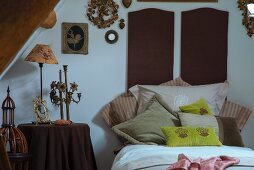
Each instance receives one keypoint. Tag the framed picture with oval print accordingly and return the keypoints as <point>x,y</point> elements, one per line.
<point>74,38</point>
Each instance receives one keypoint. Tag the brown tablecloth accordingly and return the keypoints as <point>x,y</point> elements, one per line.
<point>56,147</point>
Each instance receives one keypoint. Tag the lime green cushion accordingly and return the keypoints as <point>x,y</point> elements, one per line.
<point>190,136</point>
<point>199,107</point>
<point>145,128</point>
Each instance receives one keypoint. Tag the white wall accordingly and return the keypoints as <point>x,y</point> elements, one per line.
<point>101,75</point>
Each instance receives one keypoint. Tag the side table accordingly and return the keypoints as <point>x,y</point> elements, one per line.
<point>55,147</point>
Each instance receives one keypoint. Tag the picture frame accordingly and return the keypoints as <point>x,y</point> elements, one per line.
<point>74,38</point>
<point>177,0</point>
<point>41,111</point>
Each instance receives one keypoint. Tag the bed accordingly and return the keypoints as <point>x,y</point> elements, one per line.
<point>152,157</point>
<point>133,115</point>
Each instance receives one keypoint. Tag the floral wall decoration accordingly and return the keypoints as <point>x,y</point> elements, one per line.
<point>102,13</point>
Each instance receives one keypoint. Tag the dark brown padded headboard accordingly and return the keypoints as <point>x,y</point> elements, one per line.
<point>204,46</point>
<point>150,46</point>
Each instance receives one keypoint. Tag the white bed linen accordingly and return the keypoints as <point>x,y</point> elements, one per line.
<point>142,157</point>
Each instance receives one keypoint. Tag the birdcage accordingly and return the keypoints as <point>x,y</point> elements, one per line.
<point>14,138</point>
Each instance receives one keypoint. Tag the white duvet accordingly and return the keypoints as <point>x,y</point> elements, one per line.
<point>152,157</point>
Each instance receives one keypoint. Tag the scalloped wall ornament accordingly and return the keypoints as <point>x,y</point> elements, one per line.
<point>247,21</point>
<point>102,13</point>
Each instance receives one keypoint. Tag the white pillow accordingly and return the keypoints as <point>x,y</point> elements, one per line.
<point>175,96</point>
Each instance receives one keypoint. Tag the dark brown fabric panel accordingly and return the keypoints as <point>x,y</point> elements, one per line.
<point>204,46</point>
<point>150,46</point>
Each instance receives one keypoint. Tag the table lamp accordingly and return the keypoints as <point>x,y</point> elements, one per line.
<point>41,54</point>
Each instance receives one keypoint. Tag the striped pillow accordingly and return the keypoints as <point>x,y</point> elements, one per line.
<point>240,113</point>
<point>120,109</point>
<point>176,82</point>
<point>124,107</point>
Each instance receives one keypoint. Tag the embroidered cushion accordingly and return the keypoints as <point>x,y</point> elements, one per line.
<point>190,136</point>
<point>199,107</point>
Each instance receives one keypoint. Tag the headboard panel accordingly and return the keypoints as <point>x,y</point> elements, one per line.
<point>204,46</point>
<point>150,46</point>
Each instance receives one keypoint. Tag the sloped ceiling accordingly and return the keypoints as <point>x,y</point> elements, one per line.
<point>18,20</point>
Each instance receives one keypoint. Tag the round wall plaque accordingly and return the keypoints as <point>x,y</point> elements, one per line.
<point>111,36</point>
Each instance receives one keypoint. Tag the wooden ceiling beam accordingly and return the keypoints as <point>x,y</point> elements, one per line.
<point>18,20</point>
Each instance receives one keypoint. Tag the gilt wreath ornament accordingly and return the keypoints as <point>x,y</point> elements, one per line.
<point>247,21</point>
<point>102,13</point>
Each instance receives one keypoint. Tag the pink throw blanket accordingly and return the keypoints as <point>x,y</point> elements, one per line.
<point>214,163</point>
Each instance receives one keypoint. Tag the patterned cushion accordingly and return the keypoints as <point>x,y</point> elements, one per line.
<point>240,113</point>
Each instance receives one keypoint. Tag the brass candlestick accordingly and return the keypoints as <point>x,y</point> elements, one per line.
<point>62,88</point>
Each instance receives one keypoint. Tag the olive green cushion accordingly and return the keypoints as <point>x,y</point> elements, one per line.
<point>190,136</point>
<point>145,128</point>
<point>200,107</point>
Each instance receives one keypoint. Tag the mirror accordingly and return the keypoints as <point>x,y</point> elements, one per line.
<point>247,6</point>
<point>111,36</point>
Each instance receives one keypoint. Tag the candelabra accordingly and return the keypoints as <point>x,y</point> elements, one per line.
<point>60,93</point>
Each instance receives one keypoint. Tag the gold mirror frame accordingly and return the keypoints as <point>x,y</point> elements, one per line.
<point>247,21</point>
<point>41,111</point>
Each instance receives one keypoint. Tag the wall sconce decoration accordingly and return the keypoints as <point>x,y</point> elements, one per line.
<point>62,88</point>
<point>102,13</point>
<point>126,3</point>
<point>248,15</point>
<point>121,24</point>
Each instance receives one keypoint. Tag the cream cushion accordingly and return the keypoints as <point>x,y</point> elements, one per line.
<point>175,96</point>
<point>194,120</point>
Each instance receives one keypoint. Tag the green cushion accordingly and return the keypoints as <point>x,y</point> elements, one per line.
<point>190,136</point>
<point>145,128</point>
<point>199,107</point>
